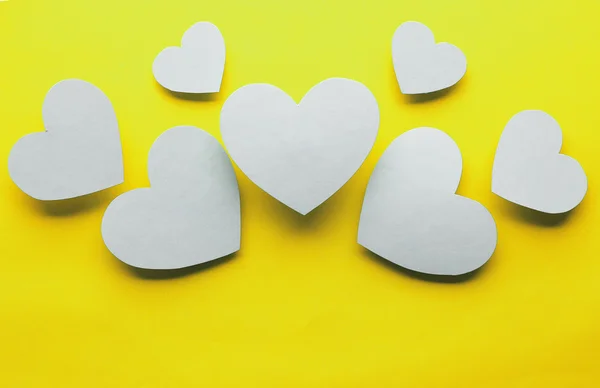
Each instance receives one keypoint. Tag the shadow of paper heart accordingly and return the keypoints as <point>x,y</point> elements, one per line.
<point>204,97</point>
<point>535,217</point>
<point>167,274</point>
<point>296,220</point>
<point>287,218</point>
<point>195,97</point>
<point>73,206</point>
<point>423,276</point>
<point>427,97</point>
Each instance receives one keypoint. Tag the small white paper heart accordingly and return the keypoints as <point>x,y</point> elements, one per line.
<point>411,215</point>
<point>189,216</point>
<point>195,67</point>
<point>530,171</point>
<point>80,152</point>
<point>301,154</point>
<point>421,65</point>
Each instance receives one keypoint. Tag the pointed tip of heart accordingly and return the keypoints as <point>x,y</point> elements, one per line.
<point>302,209</point>
<point>305,212</point>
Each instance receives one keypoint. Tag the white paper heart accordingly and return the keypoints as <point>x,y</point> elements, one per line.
<point>189,216</point>
<point>530,171</point>
<point>411,215</point>
<point>195,67</point>
<point>421,65</point>
<point>301,154</point>
<point>80,152</point>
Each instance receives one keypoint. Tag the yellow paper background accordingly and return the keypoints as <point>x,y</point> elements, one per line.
<point>302,305</point>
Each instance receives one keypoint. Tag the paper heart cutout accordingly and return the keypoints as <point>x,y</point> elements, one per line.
<point>411,215</point>
<point>80,152</point>
<point>529,170</point>
<point>189,216</point>
<point>195,67</point>
<point>421,65</point>
<point>300,154</point>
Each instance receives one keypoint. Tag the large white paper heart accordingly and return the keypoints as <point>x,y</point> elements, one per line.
<point>189,216</point>
<point>530,171</point>
<point>195,67</point>
<point>80,152</point>
<point>411,215</point>
<point>421,65</point>
<point>301,154</point>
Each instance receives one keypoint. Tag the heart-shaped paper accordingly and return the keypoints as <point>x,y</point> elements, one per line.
<point>80,152</point>
<point>195,67</point>
<point>301,154</point>
<point>411,215</point>
<point>530,171</point>
<point>190,215</point>
<point>421,65</point>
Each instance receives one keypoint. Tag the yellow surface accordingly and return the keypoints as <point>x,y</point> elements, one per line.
<point>302,304</point>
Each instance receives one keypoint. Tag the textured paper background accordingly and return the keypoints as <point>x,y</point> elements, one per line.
<point>302,304</point>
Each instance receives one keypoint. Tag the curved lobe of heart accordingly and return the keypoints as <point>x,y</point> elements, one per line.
<point>424,158</point>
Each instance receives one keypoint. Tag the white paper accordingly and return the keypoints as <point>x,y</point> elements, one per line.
<point>189,216</point>
<point>530,171</point>
<point>195,67</point>
<point>80,152</point>
<point>411,215</point>
<point>421,65</point>
<point>300,154</point>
